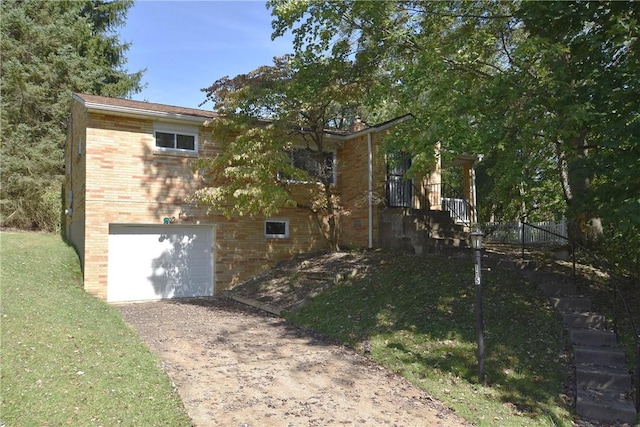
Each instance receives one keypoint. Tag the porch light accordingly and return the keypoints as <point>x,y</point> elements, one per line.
<point>476,240</point>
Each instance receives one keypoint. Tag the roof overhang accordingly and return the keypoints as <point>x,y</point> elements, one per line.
<point>140,112</point>
<point>380,127</point>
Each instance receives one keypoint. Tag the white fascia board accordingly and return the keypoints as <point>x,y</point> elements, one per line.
<point>138,112</point>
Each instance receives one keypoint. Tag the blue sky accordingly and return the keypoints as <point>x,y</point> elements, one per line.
<point>187,45</point>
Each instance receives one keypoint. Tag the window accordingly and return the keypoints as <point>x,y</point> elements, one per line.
<point>276,229</point>
<point>176,138</point>
<point>317,165</point>
<point>175,141</point>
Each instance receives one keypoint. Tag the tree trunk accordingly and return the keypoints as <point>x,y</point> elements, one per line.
<point>575,178</point>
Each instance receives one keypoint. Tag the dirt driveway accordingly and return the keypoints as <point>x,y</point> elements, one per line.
<point>237,366</point>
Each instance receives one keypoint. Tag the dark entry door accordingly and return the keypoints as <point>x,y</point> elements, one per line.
<point>399,189</point>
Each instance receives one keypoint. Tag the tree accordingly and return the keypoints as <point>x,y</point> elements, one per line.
<point>544,90</point>
<point>274,123</point>
<point>50,50</point>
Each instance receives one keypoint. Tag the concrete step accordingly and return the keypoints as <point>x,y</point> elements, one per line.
<point>561,289</point>
<point>604,378</point>
<point>593,337</point>
<point>571,304</point>
<point>445,231</point>
<point>457,243</point>
<point>599,356</point>
<point>603,407</point>
<point>584,320</point>
<point>541,276</point>
<point>526,264</point>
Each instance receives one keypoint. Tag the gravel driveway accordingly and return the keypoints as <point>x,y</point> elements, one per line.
<point>237,366</point>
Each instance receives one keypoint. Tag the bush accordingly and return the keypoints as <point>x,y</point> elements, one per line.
<point>40,211</point>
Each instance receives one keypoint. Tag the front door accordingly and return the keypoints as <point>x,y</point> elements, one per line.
<point>399,189</point>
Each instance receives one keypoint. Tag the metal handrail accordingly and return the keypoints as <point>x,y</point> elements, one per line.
<point>449,190</point>
<point>616,291</point>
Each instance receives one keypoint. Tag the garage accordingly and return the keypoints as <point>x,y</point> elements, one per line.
<point>151,262</point>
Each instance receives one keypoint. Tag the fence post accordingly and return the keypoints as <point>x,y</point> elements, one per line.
<point>573,256</point>
<point>615,304</point>
<point>522,235</point>
<point>637,373</point>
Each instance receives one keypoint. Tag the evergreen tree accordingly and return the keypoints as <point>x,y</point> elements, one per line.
<point>50,50</point>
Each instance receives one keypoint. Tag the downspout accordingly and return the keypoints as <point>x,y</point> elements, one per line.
<point>370,148</point>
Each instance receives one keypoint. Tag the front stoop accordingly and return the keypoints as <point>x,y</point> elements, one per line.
<point>420,231</point>
<point>603,381</point>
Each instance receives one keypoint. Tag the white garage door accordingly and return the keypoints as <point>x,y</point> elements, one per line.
<point>158,262</point>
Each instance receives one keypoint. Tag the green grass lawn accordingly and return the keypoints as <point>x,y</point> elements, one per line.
<point>68,358</point>
<point>417,315</point>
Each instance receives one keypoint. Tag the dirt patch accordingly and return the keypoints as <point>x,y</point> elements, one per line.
<point>294,282</point>
<point>237,366</point>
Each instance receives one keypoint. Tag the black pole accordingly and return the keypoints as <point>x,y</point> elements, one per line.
<point>573,255</point>
<point>478,283</point>
<point>637,373</point>
<point>522,235</point>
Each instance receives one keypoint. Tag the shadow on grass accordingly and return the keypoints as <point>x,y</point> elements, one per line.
<point>418,316</point>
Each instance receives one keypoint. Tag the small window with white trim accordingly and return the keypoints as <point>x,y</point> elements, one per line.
<point>276,229</point>
<point>176,138</point>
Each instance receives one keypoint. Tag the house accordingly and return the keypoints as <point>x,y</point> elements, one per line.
<point>128,173</point>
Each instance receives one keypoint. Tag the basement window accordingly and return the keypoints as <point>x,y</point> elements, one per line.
<point>276,229</point>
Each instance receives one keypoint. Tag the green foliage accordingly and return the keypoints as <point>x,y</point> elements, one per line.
<point>416,316</point>
<point>50,50</point>
<point>243,179</point>
<point>68,358</point>
<point>266,114</point>
<point>547,91</point>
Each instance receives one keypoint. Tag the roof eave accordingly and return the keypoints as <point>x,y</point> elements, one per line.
<point>139,112</point>
<point>381,127</point>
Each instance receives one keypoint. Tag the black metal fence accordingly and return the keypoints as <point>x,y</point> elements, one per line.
<point>618,298</point>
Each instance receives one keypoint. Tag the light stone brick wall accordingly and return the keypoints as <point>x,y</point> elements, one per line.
<point>353,164</point>
<point>120,179</point>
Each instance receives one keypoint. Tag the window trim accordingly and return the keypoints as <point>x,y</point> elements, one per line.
<point>284,235</point>
<point>175,130</point>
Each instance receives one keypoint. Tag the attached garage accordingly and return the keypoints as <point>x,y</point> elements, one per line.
<point>151,262</point>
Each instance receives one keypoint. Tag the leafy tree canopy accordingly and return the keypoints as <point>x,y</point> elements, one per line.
<point>545,90</point>
<point>50,50</point>
<point>268,116</point>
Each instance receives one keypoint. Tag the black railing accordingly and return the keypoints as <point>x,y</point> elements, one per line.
<point>399,193</point>
<point>616,291</point>
<point>452,201</point>
<point>402,193</point>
